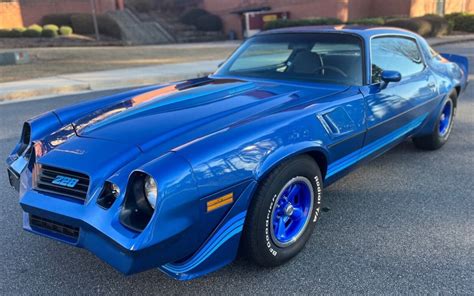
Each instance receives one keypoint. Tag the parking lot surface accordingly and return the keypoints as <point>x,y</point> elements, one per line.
<point>402,224</point>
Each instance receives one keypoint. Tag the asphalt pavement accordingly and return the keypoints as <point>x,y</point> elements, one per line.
<point>402,224</point>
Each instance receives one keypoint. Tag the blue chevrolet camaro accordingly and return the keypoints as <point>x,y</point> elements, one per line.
<point>181,176</point>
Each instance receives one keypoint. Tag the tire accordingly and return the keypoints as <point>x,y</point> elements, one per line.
<point>442,129</point>
<point>275,234</point>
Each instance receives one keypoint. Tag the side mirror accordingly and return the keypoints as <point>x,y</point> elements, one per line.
<point>391,76</point>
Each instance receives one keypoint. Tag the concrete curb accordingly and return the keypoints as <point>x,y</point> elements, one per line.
<point>444,42</point>
<point>103,80</point>
<point>42,87</point>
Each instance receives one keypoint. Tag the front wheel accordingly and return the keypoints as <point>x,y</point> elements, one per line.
<point>442,129</point>
<point>283,213</point>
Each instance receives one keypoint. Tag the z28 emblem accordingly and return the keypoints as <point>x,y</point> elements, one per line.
<point>65,181</point>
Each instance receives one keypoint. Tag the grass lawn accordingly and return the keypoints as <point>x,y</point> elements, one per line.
<point>66,60</point>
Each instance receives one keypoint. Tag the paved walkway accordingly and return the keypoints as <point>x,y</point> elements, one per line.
<point>130,77</point>
<point>101,80</point>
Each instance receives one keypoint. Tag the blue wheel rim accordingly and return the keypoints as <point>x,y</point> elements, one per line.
<point>292,211</point>
<point>445,118</point>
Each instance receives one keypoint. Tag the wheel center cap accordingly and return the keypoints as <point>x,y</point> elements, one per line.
<point>443,117</point>
<point>289,209</point>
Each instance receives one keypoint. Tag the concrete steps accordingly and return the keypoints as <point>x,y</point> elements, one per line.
<point>184,33</point>
<point>155,27</point>
<point>138,32</point>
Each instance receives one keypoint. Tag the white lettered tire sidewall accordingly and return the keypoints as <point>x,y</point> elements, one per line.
<point>257,238</point>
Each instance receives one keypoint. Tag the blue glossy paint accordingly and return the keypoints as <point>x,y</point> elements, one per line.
<point>391,76</point>
<point>205,138</point>
<point>374,147</point>
<point>233,227</point>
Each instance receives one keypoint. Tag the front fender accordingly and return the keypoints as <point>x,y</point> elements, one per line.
<point>34,129</point>
<point>286,152</point>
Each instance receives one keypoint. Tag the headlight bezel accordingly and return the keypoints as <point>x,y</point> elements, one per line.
<point>137,211</point>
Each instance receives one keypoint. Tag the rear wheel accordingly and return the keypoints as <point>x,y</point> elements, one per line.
<point>442,128</point>
<point>283,212</point>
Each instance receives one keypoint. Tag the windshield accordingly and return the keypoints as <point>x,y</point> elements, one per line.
<point>317,57</point>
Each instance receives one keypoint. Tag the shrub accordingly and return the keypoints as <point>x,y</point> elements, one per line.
<point>283,23</point>
<point>17,32</point>
<point>429,25</point>
<point>209,22</point>
<point>439,25</point>
<point>175,6</point>
<point>374,21</point>
<point>61,19</point>
<point>191,16</point>
<point>417,25</point>
<point>35,27</point>
<point>51,27</point>
<point>142,5</point>
<point>461,21</point>
<point>5,33</point>
<point>65,30</point>
<point>49,33</point>
<point>32,31</point>
<point>83,24</point>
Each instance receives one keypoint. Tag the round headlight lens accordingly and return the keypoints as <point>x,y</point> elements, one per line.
<point>151,191</point>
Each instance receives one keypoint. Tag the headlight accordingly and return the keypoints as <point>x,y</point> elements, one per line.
<point>151,191</point>
<point>140,201</point>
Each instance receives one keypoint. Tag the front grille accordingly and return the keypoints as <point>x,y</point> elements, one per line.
<point>68,183</point>
<point>55,227</point>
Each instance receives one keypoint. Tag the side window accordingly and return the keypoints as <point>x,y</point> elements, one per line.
<point>396,54</point>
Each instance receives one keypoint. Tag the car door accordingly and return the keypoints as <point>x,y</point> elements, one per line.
<point>396,108</point>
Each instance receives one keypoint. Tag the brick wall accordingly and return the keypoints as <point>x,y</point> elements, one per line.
<point>10,15</point>
<point>422,7</point>
<point>28,12</point>
<point>389,8</point>
<point>34,10</point>
<point>342,9</point>
<point>298,9</point>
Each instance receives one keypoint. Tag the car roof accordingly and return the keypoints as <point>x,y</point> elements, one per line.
<point>363,31</point>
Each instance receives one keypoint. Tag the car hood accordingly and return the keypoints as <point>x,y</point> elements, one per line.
<point>178,113</point>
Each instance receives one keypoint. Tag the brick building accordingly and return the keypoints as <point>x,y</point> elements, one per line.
<point>249,15</point>
<point>18,13</point>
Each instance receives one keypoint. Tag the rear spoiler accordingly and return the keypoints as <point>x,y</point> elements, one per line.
<point>461,61</point>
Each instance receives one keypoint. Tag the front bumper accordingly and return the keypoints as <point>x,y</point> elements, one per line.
<point>60,227</point>
<point>97,231</point>
<point>183,228</point>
